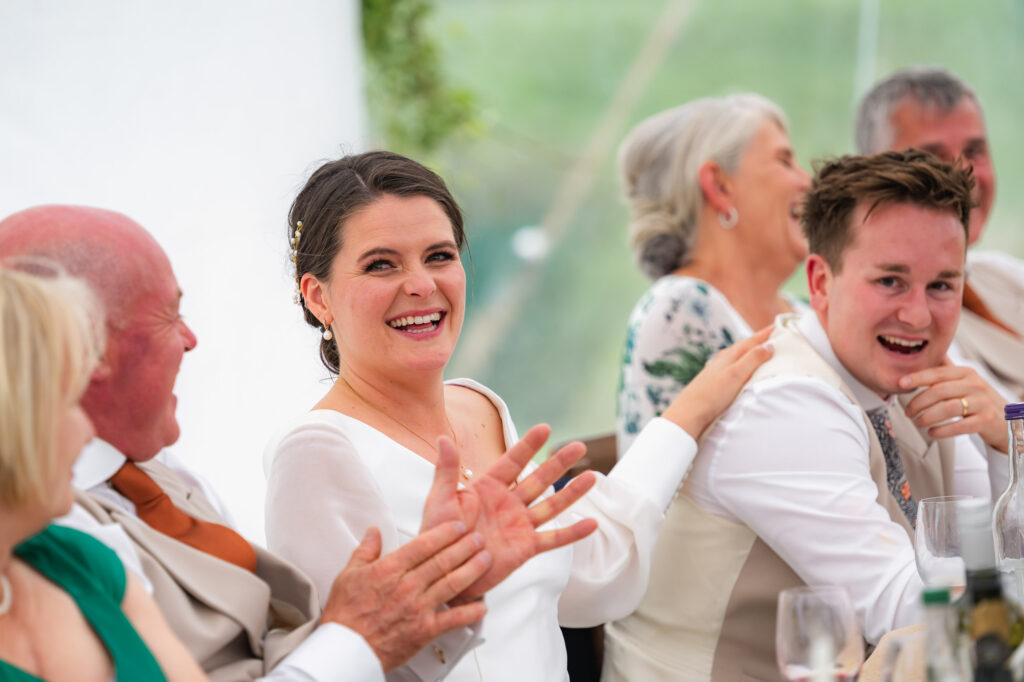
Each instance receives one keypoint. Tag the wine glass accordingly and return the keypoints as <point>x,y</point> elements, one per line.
<point>816,632</point>
<point>937,544</point>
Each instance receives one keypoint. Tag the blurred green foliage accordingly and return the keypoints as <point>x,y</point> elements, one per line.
<point>414,108</point>
<point>543,73</point>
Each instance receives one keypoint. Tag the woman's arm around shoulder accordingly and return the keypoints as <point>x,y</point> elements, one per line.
<point>679,325</point>
<point>666,447</point>
<point>610,568</point>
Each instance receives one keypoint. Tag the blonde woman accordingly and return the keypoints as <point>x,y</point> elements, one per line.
<point>68,608</point>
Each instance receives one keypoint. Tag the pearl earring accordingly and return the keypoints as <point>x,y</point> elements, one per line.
<point>729,220</point>
<point>328,334</point>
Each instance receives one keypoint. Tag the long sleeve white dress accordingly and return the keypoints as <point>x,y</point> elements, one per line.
<point>331,476</point>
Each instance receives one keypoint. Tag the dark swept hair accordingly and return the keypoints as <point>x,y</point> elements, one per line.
<point>909,176</point>
<point>339,189</point>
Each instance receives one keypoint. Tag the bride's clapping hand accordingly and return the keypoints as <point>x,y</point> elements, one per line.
<point>499,508</point>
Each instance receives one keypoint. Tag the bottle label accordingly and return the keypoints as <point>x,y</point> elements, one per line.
<point>990,617</point>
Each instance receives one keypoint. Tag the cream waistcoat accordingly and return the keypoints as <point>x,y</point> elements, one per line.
<point>709,613</point>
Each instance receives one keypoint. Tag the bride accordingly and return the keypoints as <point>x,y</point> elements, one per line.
<point>377,241</point>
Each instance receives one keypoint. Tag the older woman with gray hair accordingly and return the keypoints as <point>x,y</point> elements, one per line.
<point>715,192</point>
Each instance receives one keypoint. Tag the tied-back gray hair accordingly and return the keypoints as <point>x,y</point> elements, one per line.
<point>930,87</point>
<point>659,162</point>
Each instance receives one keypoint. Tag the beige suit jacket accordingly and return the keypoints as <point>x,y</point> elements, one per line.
<point>237,624</point>
<point>997,350</point>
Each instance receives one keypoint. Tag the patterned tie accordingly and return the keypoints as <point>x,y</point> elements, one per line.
<point>156,509</point>
<point>894,474</point>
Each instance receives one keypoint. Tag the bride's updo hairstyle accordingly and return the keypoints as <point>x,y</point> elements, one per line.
<point>659,161</point>
<point>339,189</point>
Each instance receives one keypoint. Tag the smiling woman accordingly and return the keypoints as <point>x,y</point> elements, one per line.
<point>378,262</point>
<point>399,264</point>
<point>336,193</point>
<point>57,584</point>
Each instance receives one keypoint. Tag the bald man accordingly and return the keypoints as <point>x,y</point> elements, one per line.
<point>251,614</point>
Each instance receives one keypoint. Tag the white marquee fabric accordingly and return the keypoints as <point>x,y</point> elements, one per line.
<point>200,120</point>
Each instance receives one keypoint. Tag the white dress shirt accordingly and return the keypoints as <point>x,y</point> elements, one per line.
<point>331,476</point>
<point>998,462</point>
<point>789,459</point>
<point>332,653</point>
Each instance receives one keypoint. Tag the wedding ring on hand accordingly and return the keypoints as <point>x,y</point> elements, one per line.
<point>963,401</point>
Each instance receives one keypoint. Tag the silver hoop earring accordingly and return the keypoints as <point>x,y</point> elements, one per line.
<point>328,334</point>
<point>729,220</point>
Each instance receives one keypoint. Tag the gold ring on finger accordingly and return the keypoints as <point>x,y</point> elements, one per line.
<point>963,401</point>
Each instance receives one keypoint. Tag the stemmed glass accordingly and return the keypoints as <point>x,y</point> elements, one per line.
<point>817,632</point>
<point>937,544</point>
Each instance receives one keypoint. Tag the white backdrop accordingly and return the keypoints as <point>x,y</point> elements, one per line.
<point>200,120</point>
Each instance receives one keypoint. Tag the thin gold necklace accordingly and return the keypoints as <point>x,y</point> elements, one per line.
<point>466,473</point>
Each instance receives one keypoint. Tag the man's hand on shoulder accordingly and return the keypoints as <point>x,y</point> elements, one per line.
<point>397,601</point>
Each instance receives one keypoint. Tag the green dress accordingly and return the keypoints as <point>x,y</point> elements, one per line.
<point>94,577</point>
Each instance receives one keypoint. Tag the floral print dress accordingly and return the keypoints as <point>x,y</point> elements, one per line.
<point>675,328</point>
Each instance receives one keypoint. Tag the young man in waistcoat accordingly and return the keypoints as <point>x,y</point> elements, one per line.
<point>813,475</point>
<point>929,108</point>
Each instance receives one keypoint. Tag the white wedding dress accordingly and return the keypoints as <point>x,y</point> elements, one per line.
<point>331,476</point>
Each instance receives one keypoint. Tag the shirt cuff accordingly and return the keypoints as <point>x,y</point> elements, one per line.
<point>332,653</point>
<point>657,461</point>
<point>436,660</point>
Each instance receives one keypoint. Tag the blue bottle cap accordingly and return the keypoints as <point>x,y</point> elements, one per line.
<point>1013,411</point>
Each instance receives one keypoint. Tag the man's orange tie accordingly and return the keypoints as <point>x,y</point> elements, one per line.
<point>156,509</point>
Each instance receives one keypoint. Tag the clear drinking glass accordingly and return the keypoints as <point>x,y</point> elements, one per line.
<point>937,544</point>
<point>815,632</point>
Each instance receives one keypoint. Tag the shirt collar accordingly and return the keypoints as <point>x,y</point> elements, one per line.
<point>98,461</point>
<point>811,328</point>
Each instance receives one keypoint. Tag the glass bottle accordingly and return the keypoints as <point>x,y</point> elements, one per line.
<point>1008,514</point>
<point>989,619</point>
<point>944,653</point>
